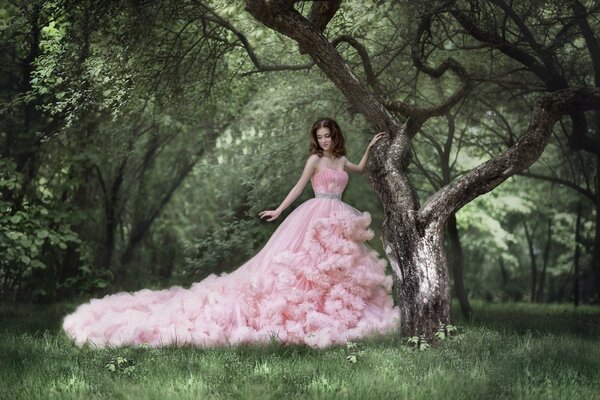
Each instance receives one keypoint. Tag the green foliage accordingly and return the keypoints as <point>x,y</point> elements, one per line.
<point>354,351</point>
<point>445,331</point>
<point>112,105</point>
<point>31,236</point>
<point>419,343</point>
<point>119,365</point>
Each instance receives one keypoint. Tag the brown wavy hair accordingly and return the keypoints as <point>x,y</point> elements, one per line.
<point>338,149</point>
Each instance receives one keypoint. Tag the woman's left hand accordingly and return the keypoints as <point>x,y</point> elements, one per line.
<point>376,138</point>
<point>270,214</point>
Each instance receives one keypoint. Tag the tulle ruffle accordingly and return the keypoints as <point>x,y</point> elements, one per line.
<point>331,289</point>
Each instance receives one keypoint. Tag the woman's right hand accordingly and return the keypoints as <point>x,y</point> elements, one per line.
<point>376,138</point>
<point>273,214</point>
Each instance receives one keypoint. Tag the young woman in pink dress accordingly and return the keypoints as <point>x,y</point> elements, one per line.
<point>314,282</point>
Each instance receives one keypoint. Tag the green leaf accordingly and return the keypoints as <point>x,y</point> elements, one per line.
<point>42,233</point>
<point>38,264</point>
<point>25,259</point>
<point>15,219</point>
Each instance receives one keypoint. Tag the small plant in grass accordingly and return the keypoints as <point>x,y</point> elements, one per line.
<point>120,365</point>
<point>445,331</point>
<point>353,352</point>
<point>418,342</point>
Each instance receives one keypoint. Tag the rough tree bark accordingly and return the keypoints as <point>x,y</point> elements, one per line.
<point>413,235</point>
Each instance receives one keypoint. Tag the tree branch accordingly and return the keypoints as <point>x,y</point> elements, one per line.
<point>364,55</point>
<point>546,72</point>
<point>517,158</point>
<point>281,16</point>
<point>423,114</point>
<point>560,181</point>
<point>322,12</point>
<point>590,38</point>
<point>217,19</point>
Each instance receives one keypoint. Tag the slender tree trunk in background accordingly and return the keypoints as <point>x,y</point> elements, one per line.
<point>504,275</point>
<point>71,262</point>
<point>576,257</point>
<point>141,227</point>
<point>592,284</point>
<point>532,257</point>
<point>542,280</point>
<point>457,263</point>
<point>110,225</point>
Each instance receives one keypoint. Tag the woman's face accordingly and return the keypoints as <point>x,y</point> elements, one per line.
<point>324,138</point>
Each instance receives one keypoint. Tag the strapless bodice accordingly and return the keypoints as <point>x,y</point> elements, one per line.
<point>329,183</point>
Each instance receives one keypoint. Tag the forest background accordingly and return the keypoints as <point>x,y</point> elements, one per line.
<point>139,140</point>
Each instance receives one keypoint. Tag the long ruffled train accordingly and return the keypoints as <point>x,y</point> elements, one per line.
<point>315,282</point>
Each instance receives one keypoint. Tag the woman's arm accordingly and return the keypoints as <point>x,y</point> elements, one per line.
<point>309,170</point>
<point>360,168</point>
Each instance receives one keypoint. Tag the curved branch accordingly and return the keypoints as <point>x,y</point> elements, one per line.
<point>364,55</point>
<point>217,19</point>
<point>281,16</point>
<point>466,84</point>
<point>515,159</point>
<point>552,81</point>
<point>545,72</point>
<point>587,193</point>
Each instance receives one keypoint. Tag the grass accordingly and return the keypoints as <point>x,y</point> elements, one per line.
<point>508,351</point>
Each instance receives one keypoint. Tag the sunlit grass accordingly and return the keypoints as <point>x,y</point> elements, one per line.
<point>507,351</point>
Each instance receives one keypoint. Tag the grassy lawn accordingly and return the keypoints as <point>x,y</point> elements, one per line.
<point>508,351</point>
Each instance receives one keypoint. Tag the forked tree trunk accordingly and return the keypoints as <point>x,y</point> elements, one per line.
<point>412,235</point>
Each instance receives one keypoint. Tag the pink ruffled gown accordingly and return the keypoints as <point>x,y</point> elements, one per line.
<point>315,282</point>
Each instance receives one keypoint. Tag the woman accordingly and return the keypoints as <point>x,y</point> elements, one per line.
<point>315,281</point>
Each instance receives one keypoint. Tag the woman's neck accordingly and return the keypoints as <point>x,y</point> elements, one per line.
<point>328,154</point>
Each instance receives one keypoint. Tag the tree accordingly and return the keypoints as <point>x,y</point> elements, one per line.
<point>412,234</point>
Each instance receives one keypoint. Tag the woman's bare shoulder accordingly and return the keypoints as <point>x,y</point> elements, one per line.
<point>313,158</point>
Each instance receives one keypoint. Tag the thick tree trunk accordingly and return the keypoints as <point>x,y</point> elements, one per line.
<point>420,275</point>
<point>457,264</point>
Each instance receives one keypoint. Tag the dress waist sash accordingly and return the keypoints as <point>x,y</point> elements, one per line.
<point>328,195</point>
